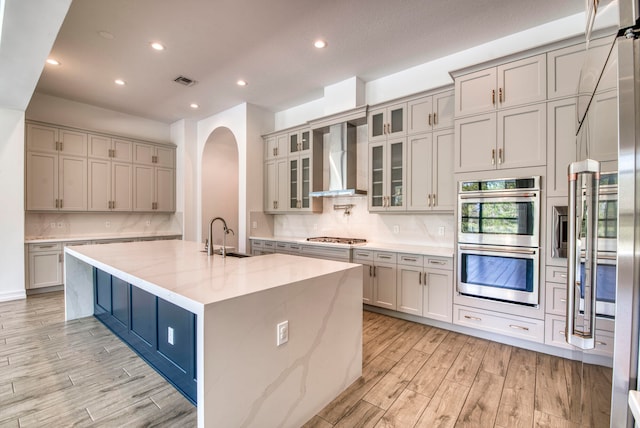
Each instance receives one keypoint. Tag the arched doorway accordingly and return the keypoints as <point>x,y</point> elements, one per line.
<point>220,185</point>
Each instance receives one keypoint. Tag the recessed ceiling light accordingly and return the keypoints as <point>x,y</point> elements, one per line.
<point>320,44</point>
<point>157,46</point>
<point>106,35</point>
<point>241,82</point>
<point>119,82</point>
<point>53,61</point>
<point>194,106</point>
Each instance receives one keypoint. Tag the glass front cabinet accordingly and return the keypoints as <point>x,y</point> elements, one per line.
<point>388,176</point>
<point>299,182</point>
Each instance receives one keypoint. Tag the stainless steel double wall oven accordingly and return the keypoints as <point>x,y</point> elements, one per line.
<point>499,239</point>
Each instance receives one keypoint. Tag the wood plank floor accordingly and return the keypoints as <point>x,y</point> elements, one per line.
<point>59,374</point>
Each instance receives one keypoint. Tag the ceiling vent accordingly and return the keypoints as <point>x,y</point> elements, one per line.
<point>184,81</point>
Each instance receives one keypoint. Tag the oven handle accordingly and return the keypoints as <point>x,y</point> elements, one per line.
<point>489,195</point>
<point>499,250</point>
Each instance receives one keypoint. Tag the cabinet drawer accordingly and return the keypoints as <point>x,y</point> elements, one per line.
<point>363,255</point>
<point>257,244</point>
<point>270,245</point>
<point>556,298</point>
<point>519,327</point>
<point>385,257</point>
<point>52,246</point>
<point>554,335</point>
<point>438,263</point>
<point>556,274</point>
<point>410,260</point>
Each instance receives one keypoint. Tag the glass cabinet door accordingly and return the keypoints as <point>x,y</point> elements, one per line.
<point>396,191</point>
<point>293,143</point>
<point>299,141</point>
<point>397,119</point>
<point>305,144</point>
<point>377,124</point>
<point>306,181</point>
<point>293,183</point>
<point>377,175</point>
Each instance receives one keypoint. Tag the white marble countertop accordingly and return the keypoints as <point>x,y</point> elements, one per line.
<point>179,272</point>
<point>96,237</point>
<point>375,246</point>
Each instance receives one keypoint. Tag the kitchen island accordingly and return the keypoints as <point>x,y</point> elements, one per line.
<point>243,378</point>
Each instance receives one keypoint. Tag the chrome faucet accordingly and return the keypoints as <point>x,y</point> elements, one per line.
<point>224,241</point>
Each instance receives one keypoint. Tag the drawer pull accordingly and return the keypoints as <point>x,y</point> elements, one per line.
<point>563,275</point>
<point>469,317</point>
<point>362,254</point>
<point>46,246</point>
<point>600,343</point>
<point>384,257</point>
<point>409,259</point>
<point>519,327</point>
<point>563,300</point>
<point>437,262</point>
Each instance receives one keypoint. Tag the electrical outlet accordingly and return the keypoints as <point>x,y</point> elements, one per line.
<point>441,231</point>
<point>148,222</point>
<point>282,330</point>
<point>254,225</point>
<point>60,225</point>
<point>107,224</point>
<point>396,228</point>
<point>170,335</point>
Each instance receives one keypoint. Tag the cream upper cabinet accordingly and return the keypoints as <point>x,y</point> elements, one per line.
<point>508,85</point>
<point>56,182</point>
<point>430,172</point>
<point>276,185</point>
<point>153,188</point>
<point>148,154</point>
<point>572,69</point>
<point>110,186</point>
<point>48,139</point>
<point>276,146</point>
<point>561,144</point>
<point>430,113</point>
<point>300,176</point>
<point>387,121</point>
<point>103,147</point>
<point>387,175</point>
<point>511,138</point>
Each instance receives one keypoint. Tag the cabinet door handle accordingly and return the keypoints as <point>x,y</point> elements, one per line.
<point>493,156</point>
<point>61,146</point>
<point>563,275</point>
<point>429,119</point>
<point>469,317</point>
<point>499,156</point>
<point>433,198</point>
<point>60,258</point>
<point>563,300</point>
<point>500,97</point>
<point>429,200</point>
<point>60,203</point>
<point>424,281</point>
<point>519,327</point>
<point>435,121</point>
<point>374,271</point>
<point>493,96</point>
<point>420,278</point>
<point>370,273</point>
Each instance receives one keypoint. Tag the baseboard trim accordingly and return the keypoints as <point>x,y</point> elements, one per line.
<point>13,295</point>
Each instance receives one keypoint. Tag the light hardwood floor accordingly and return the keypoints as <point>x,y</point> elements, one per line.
<point>58,374</point>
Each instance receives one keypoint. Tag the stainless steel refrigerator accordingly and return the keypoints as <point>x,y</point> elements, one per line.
<point>582,277</point>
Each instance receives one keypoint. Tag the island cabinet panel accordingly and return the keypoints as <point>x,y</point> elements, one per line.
<point>161,333</point>
<point>143,315</point>
<point>120,300</point>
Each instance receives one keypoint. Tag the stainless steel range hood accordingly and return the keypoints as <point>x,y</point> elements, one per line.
<point>342,162</point>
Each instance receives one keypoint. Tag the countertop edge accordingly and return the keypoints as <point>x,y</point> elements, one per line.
<point>80,238</point>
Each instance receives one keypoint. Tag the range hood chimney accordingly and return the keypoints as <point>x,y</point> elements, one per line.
<point>342,162</point>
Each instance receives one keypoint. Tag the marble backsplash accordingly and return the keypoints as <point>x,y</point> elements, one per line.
<point>411,229</point>
<point>66,225</point>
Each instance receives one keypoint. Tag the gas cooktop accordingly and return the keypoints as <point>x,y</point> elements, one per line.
<point>333,240</point>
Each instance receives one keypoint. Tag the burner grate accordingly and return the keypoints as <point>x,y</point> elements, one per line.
<point>335,240</point>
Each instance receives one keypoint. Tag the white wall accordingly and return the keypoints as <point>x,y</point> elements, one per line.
<point>184,136</point>
<point>47,108</point>
<point>12,195</point>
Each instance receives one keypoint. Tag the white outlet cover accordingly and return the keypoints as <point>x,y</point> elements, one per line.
<point>170,337</point>
<point>282,333</point>
<point>396,229</point>
<point>107,224</point>
<point>254,225</point>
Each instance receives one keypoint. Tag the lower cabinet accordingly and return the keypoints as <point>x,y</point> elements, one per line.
<point>45,265</point>
<point>162,333</point>
<point>379,277</point>
<point>425,286</point>
<point>508,325</point>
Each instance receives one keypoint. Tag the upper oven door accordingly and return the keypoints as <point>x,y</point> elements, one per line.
<point>500,218</point>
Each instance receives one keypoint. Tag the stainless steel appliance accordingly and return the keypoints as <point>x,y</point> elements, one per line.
<point>560,232</point>
<point>335,240</point>
<point>627,308</point>
<point>499,272</point>
<point>500,212</point>
<point>498,239</point>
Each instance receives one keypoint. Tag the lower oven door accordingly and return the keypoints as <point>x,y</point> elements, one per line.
<point>606,280</point>
<point>509,274</point>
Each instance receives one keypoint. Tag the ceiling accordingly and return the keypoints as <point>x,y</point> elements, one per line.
<point>267,43</point>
